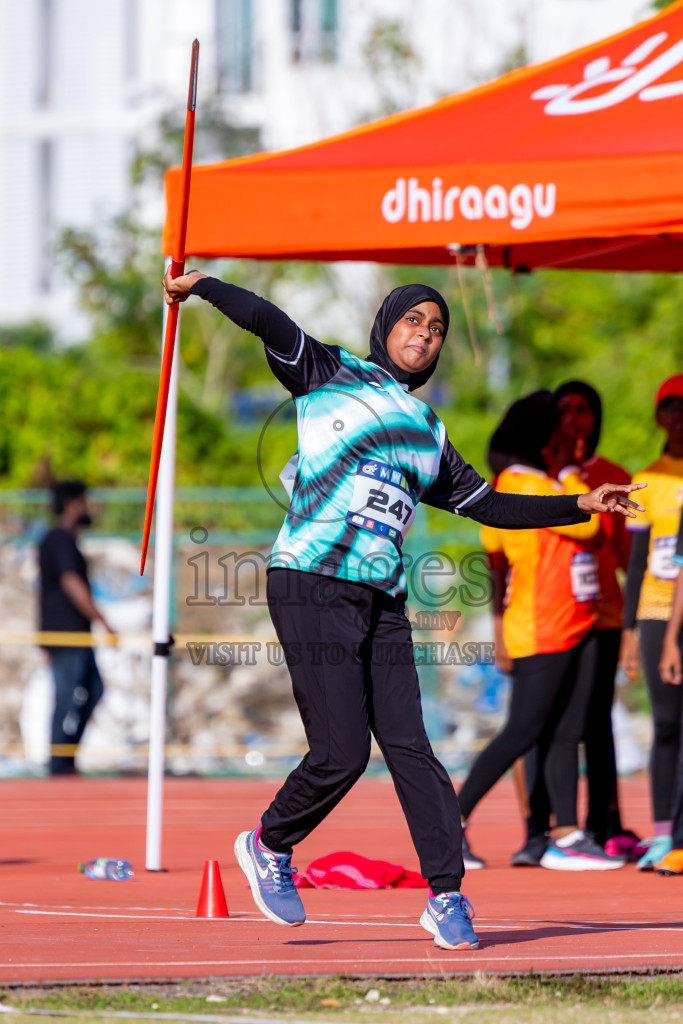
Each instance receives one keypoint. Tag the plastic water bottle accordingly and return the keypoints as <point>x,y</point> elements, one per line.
<point>108,868</point>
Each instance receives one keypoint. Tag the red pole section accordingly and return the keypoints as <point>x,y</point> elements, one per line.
<point>177,269</point>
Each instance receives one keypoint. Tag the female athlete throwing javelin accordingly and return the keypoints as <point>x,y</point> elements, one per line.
<point>368,452</point>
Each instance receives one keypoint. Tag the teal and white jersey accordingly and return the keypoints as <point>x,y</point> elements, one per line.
<point>368,453</point>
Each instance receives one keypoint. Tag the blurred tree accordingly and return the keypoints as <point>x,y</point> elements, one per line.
<point>36,335</point>
<point>393,63</point>
<point>118,272</point>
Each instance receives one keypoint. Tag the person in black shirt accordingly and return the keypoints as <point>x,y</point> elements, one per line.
<point>66,606</point>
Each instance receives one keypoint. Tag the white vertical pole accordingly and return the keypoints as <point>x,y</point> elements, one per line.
<point>163,563</point>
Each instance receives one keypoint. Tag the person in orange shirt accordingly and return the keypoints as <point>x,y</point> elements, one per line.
<point>548,633</point>
<point>580,420</point>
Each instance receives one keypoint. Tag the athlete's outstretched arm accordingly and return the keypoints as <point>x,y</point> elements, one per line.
<point>460,489</point>
<point>299,362</point>
<point>525,511</point>
<point>243,307</point>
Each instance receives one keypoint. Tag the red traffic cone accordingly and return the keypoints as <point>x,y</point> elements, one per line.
<point>211,896</point>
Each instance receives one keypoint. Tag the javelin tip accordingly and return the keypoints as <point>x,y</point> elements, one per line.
<point>143,557</point>
<point>194,66</point>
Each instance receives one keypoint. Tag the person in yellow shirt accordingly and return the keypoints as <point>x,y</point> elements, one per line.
<point>648,602</point>
<point>548,633</point>
<point>670,671</point>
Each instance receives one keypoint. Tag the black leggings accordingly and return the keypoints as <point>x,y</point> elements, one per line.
<point>666,703</point>
<point>350,655</point>
<point>603,806</point>
<point>677,836</point>
<point>550,695</point>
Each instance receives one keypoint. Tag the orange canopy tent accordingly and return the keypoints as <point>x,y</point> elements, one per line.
<point>576,163</point>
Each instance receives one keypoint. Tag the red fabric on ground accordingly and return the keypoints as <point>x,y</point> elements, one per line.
<point>346,870</point>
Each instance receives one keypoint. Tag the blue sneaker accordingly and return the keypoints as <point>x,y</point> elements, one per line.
<point>449,920</point>
<point>656,851</point>
<point>270,878</point>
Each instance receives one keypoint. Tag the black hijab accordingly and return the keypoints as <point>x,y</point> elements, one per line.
<point>580,387</point>
<point>390,312</point>
<point>523,433</point>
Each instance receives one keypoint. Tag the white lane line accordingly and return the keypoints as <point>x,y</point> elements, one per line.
<point>260,920</point>
<point>73,906</point>
<point>184,910</point>
<point>121,917</point>
<point>520,926</point>
<point>475,957</point>
<point>325,918</point>
<point>239,920</point>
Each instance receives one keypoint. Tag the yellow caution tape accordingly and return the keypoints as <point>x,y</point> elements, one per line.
<point>138,640</point>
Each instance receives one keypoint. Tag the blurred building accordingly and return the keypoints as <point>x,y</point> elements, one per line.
<point>85,82</point>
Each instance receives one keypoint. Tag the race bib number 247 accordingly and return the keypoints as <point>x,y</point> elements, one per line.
<point>382,502</point>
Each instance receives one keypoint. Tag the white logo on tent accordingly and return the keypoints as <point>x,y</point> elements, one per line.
<point>633,77</point>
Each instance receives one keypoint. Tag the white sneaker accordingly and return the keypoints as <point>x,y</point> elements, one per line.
<point>579,851</point>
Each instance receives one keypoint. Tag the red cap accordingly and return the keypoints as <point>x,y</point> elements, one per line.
<point>673,387</point>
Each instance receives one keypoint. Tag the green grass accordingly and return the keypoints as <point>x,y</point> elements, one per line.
<point>541,1000</point>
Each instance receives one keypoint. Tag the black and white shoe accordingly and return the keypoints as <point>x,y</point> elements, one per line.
<point>530,854</point>
<point>470,860</point>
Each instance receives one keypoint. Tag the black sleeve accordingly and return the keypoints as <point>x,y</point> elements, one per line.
<point>637,564</point>
<point>251,312</point>
<point>525,511</point>
<point>460,489</point>
<point>457,484</point>
<point>299,362</point>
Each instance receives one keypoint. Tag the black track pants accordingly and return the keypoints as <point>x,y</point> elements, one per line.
<point>350,655</point>
<point>666,714</point>
<point>677,836</point>
<point>601,761</point>
<point>550,695</point>
<point>603,807</point>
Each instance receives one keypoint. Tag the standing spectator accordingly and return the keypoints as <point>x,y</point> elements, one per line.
<point>579,423</point>
<point>66,606</point>
<point>670,669</point>
<point>648,600</point>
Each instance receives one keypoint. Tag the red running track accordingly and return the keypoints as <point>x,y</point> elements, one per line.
<point>56,924</point>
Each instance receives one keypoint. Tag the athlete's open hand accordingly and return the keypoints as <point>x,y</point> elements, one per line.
<point>608,498</point>
<point>177,289</point>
